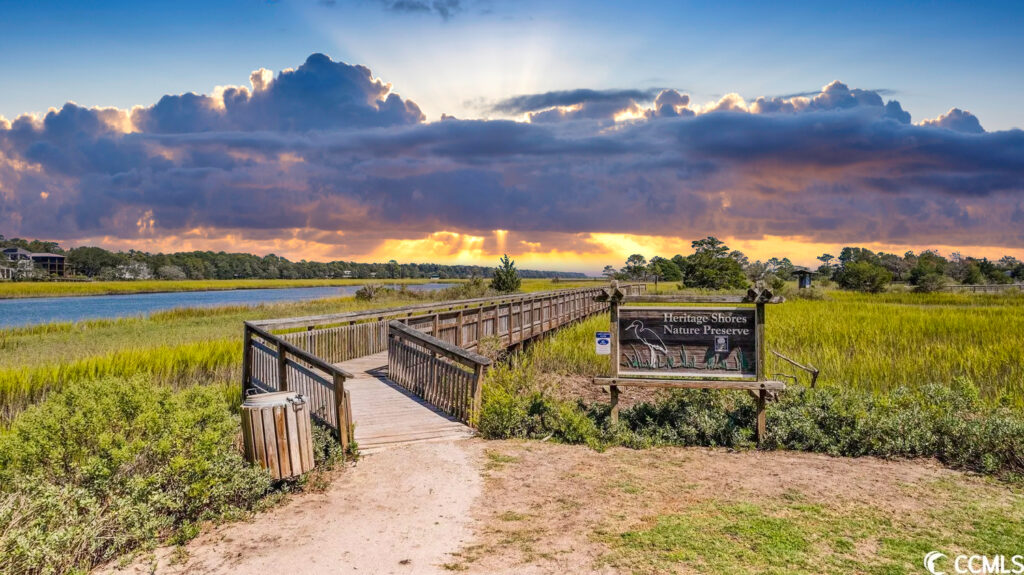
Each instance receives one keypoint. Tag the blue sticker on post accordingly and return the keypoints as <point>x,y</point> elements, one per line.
<point>603,342</point>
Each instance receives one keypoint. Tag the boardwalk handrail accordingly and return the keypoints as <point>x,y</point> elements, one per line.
<point>271,364</point>
<point>387,313</point>
<point>424,365</point>
<point>280,355</point>
<point>454,352</point>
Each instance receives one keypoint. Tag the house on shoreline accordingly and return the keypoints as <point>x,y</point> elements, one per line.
<point>52,264</point>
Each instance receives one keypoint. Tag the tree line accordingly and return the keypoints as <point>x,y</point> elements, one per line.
<point>99,263</point>
<point>712,265</point>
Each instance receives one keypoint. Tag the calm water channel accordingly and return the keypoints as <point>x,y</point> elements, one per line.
<point>30,311</point>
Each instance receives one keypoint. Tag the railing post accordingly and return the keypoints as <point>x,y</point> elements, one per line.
<point>282,367</point>
<point>478,386</point>
<point>458,334</point>
<point>433,376</point>
<point>246,361</point>
<point>510,304</point>
<point>341,410</point>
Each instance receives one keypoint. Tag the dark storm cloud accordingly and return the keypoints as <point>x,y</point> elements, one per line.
<point>535,102</point>
<point>328,148</point>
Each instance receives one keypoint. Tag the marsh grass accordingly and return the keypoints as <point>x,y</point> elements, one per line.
<point>866,342</point>
<point>942,414</point>
<point>881,342</point>
<point>59,289</point>
<point>177,345</point>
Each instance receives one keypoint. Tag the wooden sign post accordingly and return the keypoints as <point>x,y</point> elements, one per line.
<point>694,347</point>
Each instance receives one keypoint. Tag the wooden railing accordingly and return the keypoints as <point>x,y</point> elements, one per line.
<point>984,288</point>
<point>446,376</point>
<point>299,354</point>
<point>272,364</point>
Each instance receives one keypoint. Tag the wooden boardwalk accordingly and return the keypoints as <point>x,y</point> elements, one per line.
<point>387,415</point>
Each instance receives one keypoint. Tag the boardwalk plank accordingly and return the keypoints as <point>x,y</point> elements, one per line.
<point>386,415</point>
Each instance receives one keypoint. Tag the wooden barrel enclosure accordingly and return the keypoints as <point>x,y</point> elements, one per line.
<point>277,433</point>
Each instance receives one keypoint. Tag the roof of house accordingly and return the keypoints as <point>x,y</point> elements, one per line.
<point>47,255</point>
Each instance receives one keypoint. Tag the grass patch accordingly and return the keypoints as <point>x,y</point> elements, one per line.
<point>777,536</point>
<point>513,516</point>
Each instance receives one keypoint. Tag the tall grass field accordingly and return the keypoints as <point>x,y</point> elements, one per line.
<point>880,342</point>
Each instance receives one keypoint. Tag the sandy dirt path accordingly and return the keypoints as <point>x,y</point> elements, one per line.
<point>401,511</point>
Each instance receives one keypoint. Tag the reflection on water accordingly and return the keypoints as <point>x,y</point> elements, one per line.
<point>31,311</point>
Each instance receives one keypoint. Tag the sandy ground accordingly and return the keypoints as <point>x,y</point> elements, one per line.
<point>402,511</point>
<point>544,503</point>
<point>528,507</point>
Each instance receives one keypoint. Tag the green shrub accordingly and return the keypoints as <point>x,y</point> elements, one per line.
<point>514,405</point>
<point>506,276</point>
<point>107,466</point>
<point>863,276</point>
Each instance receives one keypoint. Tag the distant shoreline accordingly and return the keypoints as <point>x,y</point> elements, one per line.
<point>32,290</point>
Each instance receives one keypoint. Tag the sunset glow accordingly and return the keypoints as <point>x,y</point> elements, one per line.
<point>467,135</point>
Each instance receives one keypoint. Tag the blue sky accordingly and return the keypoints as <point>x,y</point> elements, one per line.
<point>931,55</point>
<point>584,131</point>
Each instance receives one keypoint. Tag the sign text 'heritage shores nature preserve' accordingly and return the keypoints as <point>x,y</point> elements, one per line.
<point>717,342</point>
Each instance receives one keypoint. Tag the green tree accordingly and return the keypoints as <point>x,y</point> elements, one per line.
<point>90,261</point>
<point>609,272</point>
<point>863,276</point>
<point>636,267</point>
<point>506,276</point>
<point>665,269</point>
<point>711,266</point>
<point>929,271</point>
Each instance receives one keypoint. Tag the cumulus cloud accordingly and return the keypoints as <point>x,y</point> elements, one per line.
<point>957,120</point>
<point>320,95</point>
<point>329,153</point>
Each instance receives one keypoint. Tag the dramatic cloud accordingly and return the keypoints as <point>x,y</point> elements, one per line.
<point>958,120</point>
<point>326,161</point>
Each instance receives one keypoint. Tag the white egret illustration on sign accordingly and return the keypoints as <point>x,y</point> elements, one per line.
<point>649,338</point>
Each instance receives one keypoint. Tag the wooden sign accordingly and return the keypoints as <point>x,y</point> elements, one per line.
<point>689,347</point>
<point>701,342</point>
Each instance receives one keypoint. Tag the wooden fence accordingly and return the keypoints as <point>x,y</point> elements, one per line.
<point>271,364</point>
<point>299,354</point>
<point>444,375</point>
<point>985,288</point>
